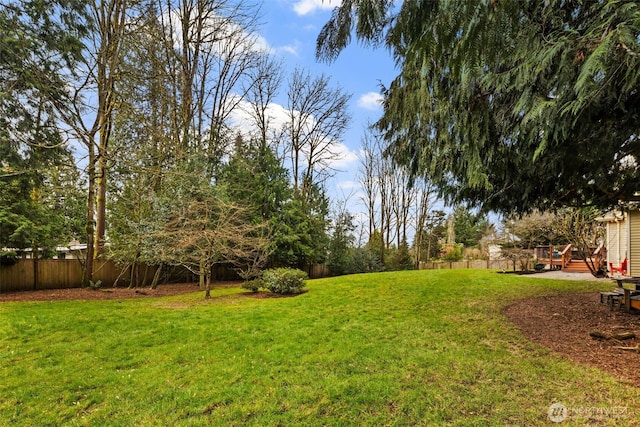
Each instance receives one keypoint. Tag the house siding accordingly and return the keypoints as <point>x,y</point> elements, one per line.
<point>617,243</point>
<point>634,243</point>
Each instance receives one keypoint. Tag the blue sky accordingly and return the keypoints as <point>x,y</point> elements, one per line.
<point>290,27</point>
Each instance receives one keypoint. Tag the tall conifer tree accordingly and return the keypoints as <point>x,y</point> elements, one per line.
<point>508,105</point>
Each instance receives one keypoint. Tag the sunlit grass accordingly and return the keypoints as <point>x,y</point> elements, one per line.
<point>407,348</point>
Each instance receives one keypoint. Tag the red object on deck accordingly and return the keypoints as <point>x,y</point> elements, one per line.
<point>622,269</point>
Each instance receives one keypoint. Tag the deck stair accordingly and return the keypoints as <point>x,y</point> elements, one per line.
<point>565,259</point>
<point>576,266</point>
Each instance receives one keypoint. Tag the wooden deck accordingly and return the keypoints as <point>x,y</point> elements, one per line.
<point>565,258</point>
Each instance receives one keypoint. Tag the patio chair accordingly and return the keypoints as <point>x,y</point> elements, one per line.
<point>622,269</point>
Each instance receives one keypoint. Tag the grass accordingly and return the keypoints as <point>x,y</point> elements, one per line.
<point>406,348</point>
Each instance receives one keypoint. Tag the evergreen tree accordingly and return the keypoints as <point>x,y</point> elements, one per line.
<point>376,246</point>
<point>433,234</point>
<point>39,49</point>
<point>508,105</point>
<point>400,258</point>
<point>255,178</point>
<point>39,205</point>
<point>341,248</point>
<point>302,238</point>
<point>469,227</point>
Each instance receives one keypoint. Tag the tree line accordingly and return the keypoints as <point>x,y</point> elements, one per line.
<point>119,122</point>
<point>152,126</point>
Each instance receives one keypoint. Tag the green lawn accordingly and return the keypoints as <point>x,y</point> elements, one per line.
<point>405,348</point>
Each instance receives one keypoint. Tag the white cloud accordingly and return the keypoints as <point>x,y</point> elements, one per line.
<point>345,157</point>
<point>305,7</point>
<point>242,120</point>
<point>370,101</point>
<point>223,34</point>
<point>260,44</point>
<point>291,49</point>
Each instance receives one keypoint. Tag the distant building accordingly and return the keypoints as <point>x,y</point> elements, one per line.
<point>75,250</point>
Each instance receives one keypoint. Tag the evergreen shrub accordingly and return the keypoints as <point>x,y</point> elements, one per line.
<point>284,280</point>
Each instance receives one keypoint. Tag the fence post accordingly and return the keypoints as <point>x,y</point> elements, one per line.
<point>35,271</point>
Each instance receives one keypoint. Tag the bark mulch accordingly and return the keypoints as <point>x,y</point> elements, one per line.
<point>106,293</point>
<point>564,324</point>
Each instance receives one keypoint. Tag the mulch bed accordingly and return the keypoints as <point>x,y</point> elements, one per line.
<point>107,293</point>
<point>563,324</point>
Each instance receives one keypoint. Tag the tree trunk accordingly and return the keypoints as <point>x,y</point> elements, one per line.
<point>124,270</point>
<point>156,277</point>
<point>88,265</point>
<point>144,278</point>
<point>101,206</point>
<point>202,275</point>
<point>132,277</point>
<point>207,294</point>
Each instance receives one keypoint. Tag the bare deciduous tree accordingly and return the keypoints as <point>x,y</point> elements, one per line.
<point>575,226</point>
<point>212,46</point>
<point>111,19</point>
<point>317,120</point>
<point>199,231</point>
<point>91,123</point>
<point>579,227</point>
<point>424,204</point>
<point>369,155</point>
<point>266,79</point>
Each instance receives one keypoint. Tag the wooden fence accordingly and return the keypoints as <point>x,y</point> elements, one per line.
<point>29,274</point>
<point>501,264</point>
<point>34,274</point>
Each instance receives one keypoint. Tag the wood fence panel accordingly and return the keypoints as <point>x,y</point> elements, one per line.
<point>317,271</point>
<point>59,273</point>
<point>17,277</point>
<point>479,263</point>
<point>52,274</point>
<point>475,264</point>
<point>107,272</point>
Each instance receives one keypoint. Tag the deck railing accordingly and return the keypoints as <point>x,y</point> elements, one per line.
<point>562,258</point>
<point>566,255</point>
<point>551,255</point>
<point>600,256</point>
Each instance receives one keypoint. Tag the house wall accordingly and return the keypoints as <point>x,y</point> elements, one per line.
<point>617,242</point>
<point>634,243</point>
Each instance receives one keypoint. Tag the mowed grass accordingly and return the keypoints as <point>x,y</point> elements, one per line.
<point>402,348</point>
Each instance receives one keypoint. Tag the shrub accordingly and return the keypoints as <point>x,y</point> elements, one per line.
<point>8,257</point>
<point>95,285</point>
<point>363,260</point>
<point>284,280</point>
<point>253,285</point>
<point>453,253</point>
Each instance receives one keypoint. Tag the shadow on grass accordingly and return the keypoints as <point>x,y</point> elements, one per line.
<point>268,294</point>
